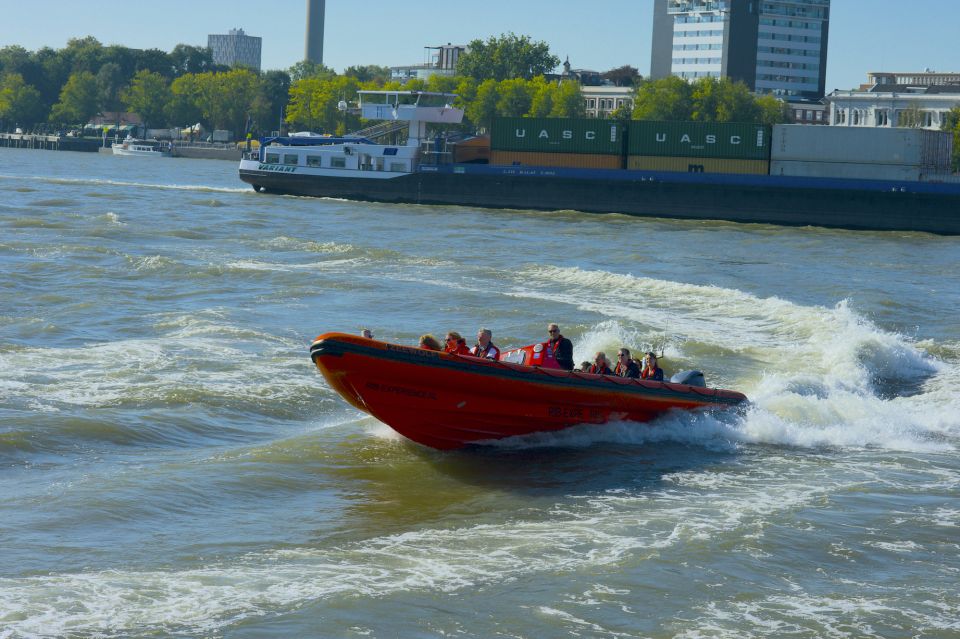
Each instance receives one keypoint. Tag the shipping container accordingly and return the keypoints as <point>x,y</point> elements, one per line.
<point>473,150</point>
<point>558,135</point>
<point>848,170</point>
<point>732,140</point>
<point>697,165</point>
<point>867,145</point>
<point>566,160</point>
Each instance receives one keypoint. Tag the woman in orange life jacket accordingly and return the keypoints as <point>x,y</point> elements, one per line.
<point>626,367</point>
<point>485,348</point>
<point>651,371</point>
<point>558,348</point>
<point>600,366</point>
<point>456,344</point>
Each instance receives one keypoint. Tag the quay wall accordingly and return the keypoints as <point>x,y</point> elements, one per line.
<point>48,142</point>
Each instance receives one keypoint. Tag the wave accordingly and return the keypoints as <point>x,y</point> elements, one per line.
<point>202,188</point>
<point>816,376</point>
<point>196,362</point>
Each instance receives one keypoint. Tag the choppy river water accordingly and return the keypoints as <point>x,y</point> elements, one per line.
<point>172,465</point>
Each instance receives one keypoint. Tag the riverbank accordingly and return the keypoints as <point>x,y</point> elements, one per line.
<point>191,150</point>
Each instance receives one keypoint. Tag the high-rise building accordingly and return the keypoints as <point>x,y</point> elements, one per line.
<point>313,49</point>
<point>235,48</point>
<point>774,46</point>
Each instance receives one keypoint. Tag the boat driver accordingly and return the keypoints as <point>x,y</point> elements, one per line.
<point>485,348</point>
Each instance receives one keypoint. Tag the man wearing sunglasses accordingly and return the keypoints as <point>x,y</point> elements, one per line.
<point>559,348</point>
<point>626,367</point>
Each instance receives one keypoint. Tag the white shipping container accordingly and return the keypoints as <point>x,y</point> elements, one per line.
<point>848,170</point>
<point>867,145</point>
<point>221,135</point>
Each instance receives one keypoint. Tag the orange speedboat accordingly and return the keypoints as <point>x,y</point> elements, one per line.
<point>448,401</point>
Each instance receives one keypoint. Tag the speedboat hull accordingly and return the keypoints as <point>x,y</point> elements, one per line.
<point>448,401</point>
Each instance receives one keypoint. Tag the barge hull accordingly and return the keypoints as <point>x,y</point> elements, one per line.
<point>832,203</point>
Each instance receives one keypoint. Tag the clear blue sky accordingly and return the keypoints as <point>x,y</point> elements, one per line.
<point>865,35</point>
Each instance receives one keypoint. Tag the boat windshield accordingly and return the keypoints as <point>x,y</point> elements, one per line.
<point>409,98</point>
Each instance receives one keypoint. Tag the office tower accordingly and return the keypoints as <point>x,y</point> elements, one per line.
<point>313,49</point>
<point>235,48</point>
<point>774,46</point>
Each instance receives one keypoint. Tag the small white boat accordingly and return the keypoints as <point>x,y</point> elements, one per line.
<point>133,146</point>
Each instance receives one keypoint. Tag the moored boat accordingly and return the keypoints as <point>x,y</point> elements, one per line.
<point>145,148</point>
<point>447,401</point>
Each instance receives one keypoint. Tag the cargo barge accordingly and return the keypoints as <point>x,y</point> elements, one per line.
<point>357,169</point>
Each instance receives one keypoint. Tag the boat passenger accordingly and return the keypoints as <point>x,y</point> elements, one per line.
<point>585,366</point>
<point>651,371</point>
<point>559,348</point>
<point>484,347</point>
<point>455,344</point>
<point>600,365</point>
<point>626,367</point>
<point>429,342</point>
<point>366,333</point>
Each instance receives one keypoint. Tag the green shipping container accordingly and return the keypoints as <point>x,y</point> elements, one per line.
<point>557,135</point>
<point>699,140</point>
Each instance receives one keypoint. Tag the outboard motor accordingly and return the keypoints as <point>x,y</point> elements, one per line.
<point>690,378</point>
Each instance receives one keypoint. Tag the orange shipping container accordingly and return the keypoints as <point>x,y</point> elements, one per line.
<point>566,160</point>
<point>697,165</point>
<point>475,150</point>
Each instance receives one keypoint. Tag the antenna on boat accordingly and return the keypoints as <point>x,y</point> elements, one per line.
<point>661,345</point>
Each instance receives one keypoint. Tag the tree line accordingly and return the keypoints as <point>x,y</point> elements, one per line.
<point>504,75</point>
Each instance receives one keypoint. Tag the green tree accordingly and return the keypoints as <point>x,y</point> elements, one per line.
<point>625,76</point>
<point>123,57</point>
<point>227,99</point>
<point>186,58</point>
<point>723,100</point>
<point>568,101</point>
<point>773,110</point>
<point>110,81</point>
<point>505,57</point>
<point>308,69</point>
<point>542,96</point>
<point>314,104</point>
<point>82,54</point>
<point>483,108</point>
<point>514,97</point>
<point>78,100</point>
<point>184,107</point>
<point>668,98</point>
<point>149,96</point>
<point>442,83</point>
<point>19,102</point>
<point>274,94</point>
<point>368,73</point>
<point>153,60</point>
